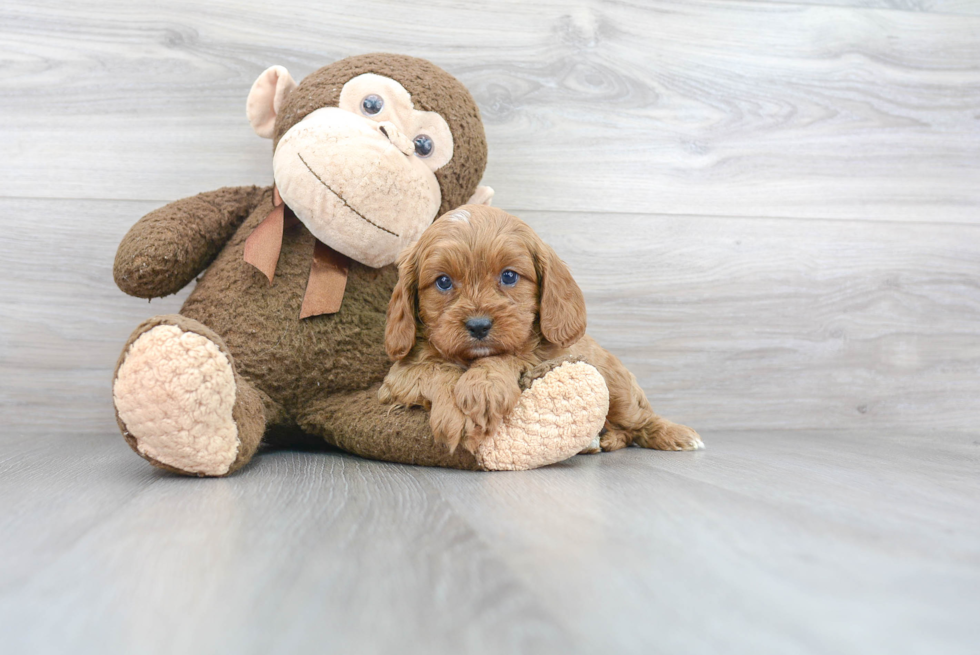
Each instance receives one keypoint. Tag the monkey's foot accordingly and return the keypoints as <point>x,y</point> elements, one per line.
<point>175,393</point>
<point>557,417</point>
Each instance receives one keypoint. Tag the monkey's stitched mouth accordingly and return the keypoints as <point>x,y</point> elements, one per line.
<point>346,204</point>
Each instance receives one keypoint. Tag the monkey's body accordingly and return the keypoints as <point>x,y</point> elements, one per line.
<point>316,376</point>
<point>197,392</point>
<point>251,314</point>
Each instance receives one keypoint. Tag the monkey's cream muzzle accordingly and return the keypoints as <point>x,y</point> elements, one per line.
<point>353,187</point>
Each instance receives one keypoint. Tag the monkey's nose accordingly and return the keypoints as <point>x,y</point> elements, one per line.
<point>479,327</point>
<point>396,137</point>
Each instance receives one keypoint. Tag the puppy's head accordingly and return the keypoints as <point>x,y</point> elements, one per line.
<point>479,283</point>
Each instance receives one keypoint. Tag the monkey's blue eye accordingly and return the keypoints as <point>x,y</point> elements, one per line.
<point>372,104</point>
<point>509,278</point>
<point>444,283</point>
<point>423,145</point>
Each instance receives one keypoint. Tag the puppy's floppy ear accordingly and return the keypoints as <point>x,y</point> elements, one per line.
<point>562,310</point>
<point>401,324</point>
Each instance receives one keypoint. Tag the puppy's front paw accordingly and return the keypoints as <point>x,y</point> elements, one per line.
<point>448,424</point>
<point>473,436</point>
<point>542,369</point>
<point>384,393</point>
<point>670,436</point>
<point>402,390</point>
<point>485,401</point>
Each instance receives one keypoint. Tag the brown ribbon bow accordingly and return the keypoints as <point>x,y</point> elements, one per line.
<point>328,273</point>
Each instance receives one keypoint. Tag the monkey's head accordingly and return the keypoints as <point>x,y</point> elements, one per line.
<point>370,149</point>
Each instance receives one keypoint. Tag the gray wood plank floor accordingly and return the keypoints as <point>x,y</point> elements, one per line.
<point>774,211</point>
<point>801,542</point>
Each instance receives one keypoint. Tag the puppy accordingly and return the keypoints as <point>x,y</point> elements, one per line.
<point>481,309</point>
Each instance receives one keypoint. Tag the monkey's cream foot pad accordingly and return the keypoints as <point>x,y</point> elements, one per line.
<point>556,418</point>
<point>174,393</point>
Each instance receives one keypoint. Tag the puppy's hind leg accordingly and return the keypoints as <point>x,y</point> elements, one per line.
<point>667,435</point>
<point>632,420</point>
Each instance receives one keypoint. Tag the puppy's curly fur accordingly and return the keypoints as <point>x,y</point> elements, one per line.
<point>482,308</point>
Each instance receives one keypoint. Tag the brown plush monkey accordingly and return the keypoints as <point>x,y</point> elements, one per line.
<point>283,337</point>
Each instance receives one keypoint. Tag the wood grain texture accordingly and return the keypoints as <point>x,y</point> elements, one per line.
<point>764,543</point>
<point>295,557</point>
<point>62,319</point>
<point>717,108</point>
<point>728,323</point>
<point>772,208</point>
<point>952,7</point>
<point>780,323</point>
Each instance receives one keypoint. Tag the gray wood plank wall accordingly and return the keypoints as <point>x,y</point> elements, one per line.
<point>772,207</point>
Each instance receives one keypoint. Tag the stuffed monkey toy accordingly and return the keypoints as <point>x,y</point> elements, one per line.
<point>282,339</point>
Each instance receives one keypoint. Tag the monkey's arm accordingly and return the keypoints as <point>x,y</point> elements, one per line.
<point>170,246</point>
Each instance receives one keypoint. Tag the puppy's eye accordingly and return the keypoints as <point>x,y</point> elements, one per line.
<point>423,145</point>
<point>509,278</point>
<point>444,283</point>
<point>372,104</point>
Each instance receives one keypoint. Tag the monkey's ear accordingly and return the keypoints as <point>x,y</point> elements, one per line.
<point>562,311</point>
<point>265,99</point>
<point>400,326</point>
<point>482,196</point>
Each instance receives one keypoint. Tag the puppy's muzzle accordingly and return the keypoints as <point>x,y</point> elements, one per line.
<point>479,327</point>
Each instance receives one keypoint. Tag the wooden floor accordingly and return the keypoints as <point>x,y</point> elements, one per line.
<point>802,542</point>
<point>774,211</point>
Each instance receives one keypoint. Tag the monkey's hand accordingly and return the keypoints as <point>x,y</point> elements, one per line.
<point>536,373</point>
<point>170,246</point>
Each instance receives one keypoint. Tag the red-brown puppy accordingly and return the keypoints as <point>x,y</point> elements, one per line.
<point>482,308</point>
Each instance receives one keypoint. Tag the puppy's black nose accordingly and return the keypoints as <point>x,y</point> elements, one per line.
<point>479,327</point>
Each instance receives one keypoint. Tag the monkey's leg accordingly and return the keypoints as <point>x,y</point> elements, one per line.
<point>180,403</point>
<point>556,418</point>
<point>358,423</point>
